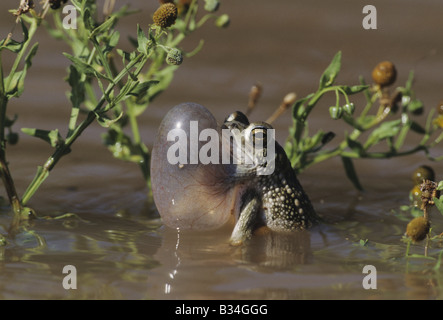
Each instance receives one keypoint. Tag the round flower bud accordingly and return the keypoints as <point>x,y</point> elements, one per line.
<point>290,98</point>
<point>349,108</point>
<point>415,196</point>
<point>166,15</point>
<point>222,21</point>
<point>212,5</point>
<point>174,57</point>
<point>418,228</point>
<point>336,112</point>
<point>384,74</point>
<point>423,173</point>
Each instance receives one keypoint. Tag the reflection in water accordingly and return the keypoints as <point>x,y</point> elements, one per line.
<point>193,263</point>
<point>111,263</point>
<point>278,251</point>
<point>173,273</point>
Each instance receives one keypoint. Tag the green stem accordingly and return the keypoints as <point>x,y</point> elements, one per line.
<point>103,59</point>
<point>5,173</point>
<point>18,59</point>
<point>44,171</point>
<point>142,149</point>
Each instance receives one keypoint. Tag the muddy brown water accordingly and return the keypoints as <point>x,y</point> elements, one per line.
<point>121,251</point>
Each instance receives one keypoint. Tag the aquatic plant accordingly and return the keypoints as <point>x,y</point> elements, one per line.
<point>126,81</point>
<point>386,118</point>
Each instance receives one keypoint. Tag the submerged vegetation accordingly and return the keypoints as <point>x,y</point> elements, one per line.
<point>114,87</point>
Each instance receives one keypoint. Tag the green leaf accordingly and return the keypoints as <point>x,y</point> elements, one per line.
<point>52,137</point>
<point>385,130</point>
<point>125,55</point>
<point>141,89</point>
<point>354,89</point>
<point>355,145</point>
<point>87,19</point>
<point>297,110</point>
<point>121,146</point>
<point>17,83</point>
<point>13,88</point>
<point>105,26</point>
<point>331,72</point>
<point>351,173</point>
<point>142,41</point>
<point>310,144</point>
<point>81,66</point>
<point>11,45</point>
<point>77,94</point>
<point>85,68</point>
<point>439,204</point>
<point>105,121</point>
<point>415,107</point>
<point>113,40</point>
<point>417,128</point>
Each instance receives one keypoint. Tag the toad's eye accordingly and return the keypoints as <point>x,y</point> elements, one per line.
<point>257,134</point>
<point>237,117</point>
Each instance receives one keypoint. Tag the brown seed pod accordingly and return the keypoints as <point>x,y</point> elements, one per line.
<point>423,173</point>
<point>384,74</point>
<point>165,15</point>
<point>418,228</point>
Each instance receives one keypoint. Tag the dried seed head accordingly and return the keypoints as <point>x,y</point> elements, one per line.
<point>428,192</point>
<point>384,74</point>
<point>25,6</point>
<point>166,15</point>
<point>418,228</point>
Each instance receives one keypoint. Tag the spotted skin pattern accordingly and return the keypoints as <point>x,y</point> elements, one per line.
<point>286,205</point>
<point>276,201</point>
